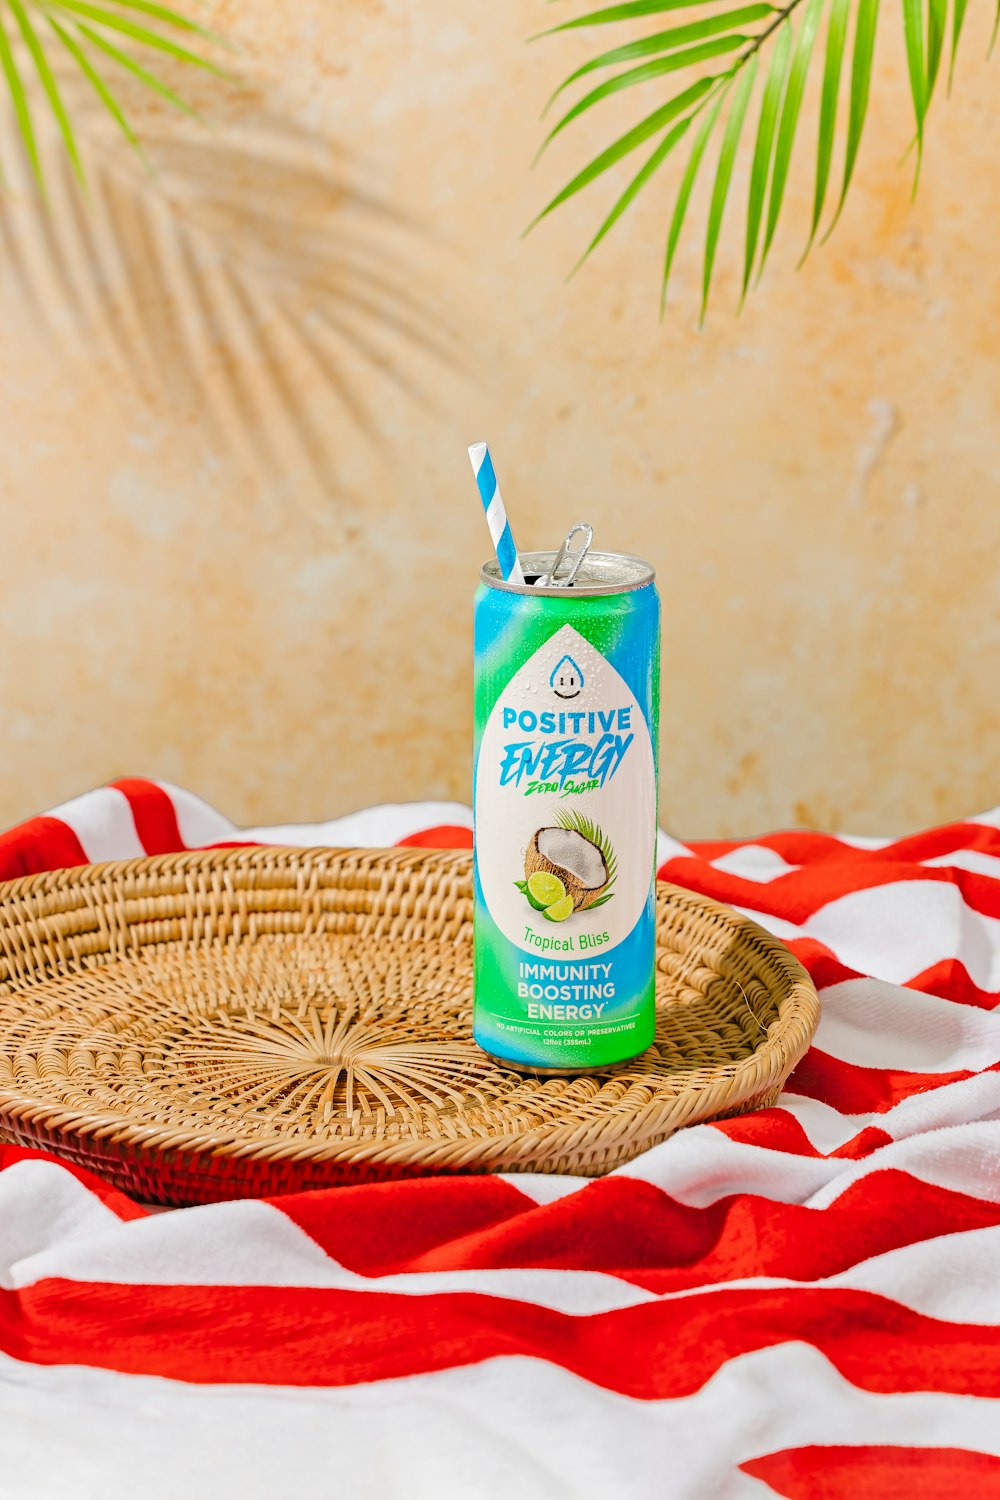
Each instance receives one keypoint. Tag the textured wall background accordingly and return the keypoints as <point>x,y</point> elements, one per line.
<point>239,536</point>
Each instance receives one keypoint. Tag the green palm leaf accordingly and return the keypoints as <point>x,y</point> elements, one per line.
<point>96,82</point>
<point>957,21</point>
<point>638,182</point>
<point>686,187</point>
<point>100,16</point>
<point>760,169</point>
<point>48,84</point>
<point>668,41</point>
<point>632,11</point>
<point>135,69</point>
<point>724,174</point>
<point>644,73</point>
<point>861,77</point>
<point>836,38</point>
<point>19,99</point>
<point>84,31</point>
<point>913,31</point>
<point>632,139</point>
<point>791,106</point>
<point>755,37</point>
<point>937,22</point>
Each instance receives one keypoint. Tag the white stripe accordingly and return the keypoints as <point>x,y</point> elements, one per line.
<point>753,862</point>
<point>102,820</point>
<point>878,1025</point>
<point>700,1165</point>
<point>952,1278</point>
<point>960,1159</point>
<point>496,517</point>
<point>973,860</point>
<point>956,1103</point>
<point>197,822</point>
<point>668,848</point>
<point>50,1231</point>
<point>374,827</point>
<point>506,1426</point>
<point>896,931</point>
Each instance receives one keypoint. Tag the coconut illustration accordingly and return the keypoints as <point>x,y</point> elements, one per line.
<point>577,853</point>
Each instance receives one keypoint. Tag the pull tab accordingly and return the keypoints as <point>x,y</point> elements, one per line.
<point>569,560</point>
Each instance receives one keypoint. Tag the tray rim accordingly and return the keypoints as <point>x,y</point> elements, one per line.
<point>744,1079</point>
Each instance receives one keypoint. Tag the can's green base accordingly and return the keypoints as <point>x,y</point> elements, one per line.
<point>517,1066</point>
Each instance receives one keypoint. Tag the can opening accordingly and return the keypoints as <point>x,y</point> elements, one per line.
<point>601,573</point>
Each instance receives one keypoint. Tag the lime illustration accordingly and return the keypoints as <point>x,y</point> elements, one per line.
<point>544,889</point>
<point>559,910</point>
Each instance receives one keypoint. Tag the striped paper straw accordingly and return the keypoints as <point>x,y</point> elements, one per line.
<point>496,513</point>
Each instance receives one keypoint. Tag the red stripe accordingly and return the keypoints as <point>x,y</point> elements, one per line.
<point>628,1228</point>
<point>299,1336</point>
<point>38,845</point>
<point>951,980</point>
<point>777,1130</point>
<point>154,814</point>
<point>853,1090</point>
<point>825,968</point>
<point>877,1473</point>
<point>800,894</point>
<point>441,836</point>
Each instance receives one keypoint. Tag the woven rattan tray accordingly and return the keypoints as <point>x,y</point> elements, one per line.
<point>257,1021</point>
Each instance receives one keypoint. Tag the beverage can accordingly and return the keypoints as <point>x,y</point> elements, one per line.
<point>565,811</point>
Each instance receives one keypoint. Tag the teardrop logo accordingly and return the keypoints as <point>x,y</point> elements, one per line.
<point>567,679</point>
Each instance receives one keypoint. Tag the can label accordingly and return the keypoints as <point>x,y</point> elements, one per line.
<point>565,810</point>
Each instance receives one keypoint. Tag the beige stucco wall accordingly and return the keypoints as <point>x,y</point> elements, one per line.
<point>238,531</point>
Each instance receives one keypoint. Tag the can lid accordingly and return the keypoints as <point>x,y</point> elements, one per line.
<point>601,573</point>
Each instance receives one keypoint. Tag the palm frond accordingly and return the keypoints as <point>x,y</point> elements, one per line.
<point>724,174</point>
<point>788,124</point>
<point>760,168</point>
<point>668,41</point>
<point>836,40</point>
<point>937,24</point>
<point>58,38</point>
<point>957,21</point>
<point>861,76</point>
<point>913,32</point>
<point>718,59</point>
<point>686,188</point>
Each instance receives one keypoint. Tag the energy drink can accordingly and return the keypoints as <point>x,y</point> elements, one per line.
<point>565,782</point>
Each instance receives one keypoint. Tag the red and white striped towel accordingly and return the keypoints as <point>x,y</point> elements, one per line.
<point>803,1302</point>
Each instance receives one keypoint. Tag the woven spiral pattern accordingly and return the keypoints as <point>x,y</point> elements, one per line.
<point>256,1021</point>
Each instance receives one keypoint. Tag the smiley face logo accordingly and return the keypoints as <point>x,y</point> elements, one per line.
<point>567,679</point>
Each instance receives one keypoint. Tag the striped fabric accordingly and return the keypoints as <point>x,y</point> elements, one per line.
<point>802,1302</point>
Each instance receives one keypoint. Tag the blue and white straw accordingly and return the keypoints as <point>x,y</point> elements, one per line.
<point>496,514</point>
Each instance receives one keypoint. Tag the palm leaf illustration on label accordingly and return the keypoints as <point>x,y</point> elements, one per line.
<point>573,863</point>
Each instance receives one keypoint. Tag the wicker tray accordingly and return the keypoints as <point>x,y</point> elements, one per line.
<point>258,1021</point>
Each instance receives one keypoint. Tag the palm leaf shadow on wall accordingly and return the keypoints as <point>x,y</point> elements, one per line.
<point>250,281</point>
